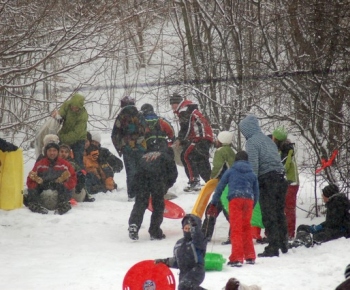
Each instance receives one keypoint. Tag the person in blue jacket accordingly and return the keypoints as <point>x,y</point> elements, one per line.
<point>189,254</point>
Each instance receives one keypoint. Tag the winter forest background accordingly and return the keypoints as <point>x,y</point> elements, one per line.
<point>285,61</point>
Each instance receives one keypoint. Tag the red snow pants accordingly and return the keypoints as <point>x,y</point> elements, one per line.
<point>290,209</point>
<point>242,248</point>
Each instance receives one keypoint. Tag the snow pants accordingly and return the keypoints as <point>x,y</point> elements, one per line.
<point>273,190</point>
<point>242,247</point>
<point>191,279</point>
<point>290,209</point>
<point>131,160</point>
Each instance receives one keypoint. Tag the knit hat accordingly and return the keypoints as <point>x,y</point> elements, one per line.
<point>95,136</point>
<point>65,146</point>
<point>50,138</point>
<point>51,145</point>
<point>280,133</point>
<point>347,272</point>
<point>241,155</point>
<point>225,137</point>
<point>127,101</point>
<point>330,189</point>
<point>175,99</point>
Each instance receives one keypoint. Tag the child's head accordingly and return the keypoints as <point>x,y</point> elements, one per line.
<point>241,155</point>
<point>328,191</point>
<point>93,152</point>
<point>64,151</point>
<point>225,138</point>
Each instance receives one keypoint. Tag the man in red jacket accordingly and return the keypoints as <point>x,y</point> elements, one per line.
<point>196,137</point>
<point>51,172</point>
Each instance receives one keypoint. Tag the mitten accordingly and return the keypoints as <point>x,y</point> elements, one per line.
<point>164,261</point>
<point>212,211</point>
<point>64,176</point>
<point>34,176</point>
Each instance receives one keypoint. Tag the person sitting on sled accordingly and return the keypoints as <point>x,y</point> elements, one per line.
<point>189,254</point>
<point>336,225</point>
<point>51,172</point>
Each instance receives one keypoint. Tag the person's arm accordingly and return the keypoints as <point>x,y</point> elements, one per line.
<point>256,191</point>
<point>220,188</point>
<point>218,164</point>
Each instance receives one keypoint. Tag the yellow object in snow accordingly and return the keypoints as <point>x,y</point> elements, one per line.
<point>11,179</point>
<point>203,197</point>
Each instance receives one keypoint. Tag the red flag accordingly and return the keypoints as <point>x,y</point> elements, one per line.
<point>326,163</point>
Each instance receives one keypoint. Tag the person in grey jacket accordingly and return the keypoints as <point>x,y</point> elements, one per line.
<point>189,254</point>
<point>266,162</point>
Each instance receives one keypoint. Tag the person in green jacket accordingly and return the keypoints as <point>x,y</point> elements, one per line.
<point>224,157</point>
<point>73,132</point>
<point>286,149</point>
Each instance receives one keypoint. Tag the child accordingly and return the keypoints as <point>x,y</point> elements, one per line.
<point>189,254</point>
<point>65,153</point>
<point>243,195</point>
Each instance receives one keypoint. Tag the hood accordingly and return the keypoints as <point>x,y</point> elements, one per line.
<point>77,100</point>
<point>243,166</point>
<point>183,106</point>
<point>130,110</point>
<point>249,126</point>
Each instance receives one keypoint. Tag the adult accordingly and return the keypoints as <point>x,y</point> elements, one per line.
<point>286,149</point>
<point>128,137</point>
<point>156,173</point>
<point>161,132</point>
<point>189,254</point>
<point>266,162</point>
<point>224,157</point>
<point>73,132</point>
<point>7,146</point>
<point>196,137</point>
<point>54,173</point>
<point>336,225</point>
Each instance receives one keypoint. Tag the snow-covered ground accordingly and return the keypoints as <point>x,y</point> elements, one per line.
<point>89,247</point>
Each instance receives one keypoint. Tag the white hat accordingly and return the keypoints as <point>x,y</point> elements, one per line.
<point>50,138</point>
<point>225,137</point>
<point>95,136</point>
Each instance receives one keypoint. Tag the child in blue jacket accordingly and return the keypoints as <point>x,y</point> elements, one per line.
<point>243,194</point>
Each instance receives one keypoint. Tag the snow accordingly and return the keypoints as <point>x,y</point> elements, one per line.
<point>89,247</point>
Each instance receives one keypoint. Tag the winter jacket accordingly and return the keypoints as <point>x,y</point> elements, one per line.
<point>193,125</point>
<point>289,162</point>
<point>223,160</point>
<point>157,166</point>
<point>345,285</point>
<point>338,214</point>
<point>49,170</point>
<point>262,151</point>
<point>242,183</point>
<point>74,126</point>
<point>129,130</point>
<point>187,254</point>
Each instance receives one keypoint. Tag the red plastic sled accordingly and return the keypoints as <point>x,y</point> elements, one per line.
<point>146,275</point>
<point>171,210</point>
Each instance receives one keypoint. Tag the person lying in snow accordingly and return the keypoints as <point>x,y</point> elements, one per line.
<point>336,225</point>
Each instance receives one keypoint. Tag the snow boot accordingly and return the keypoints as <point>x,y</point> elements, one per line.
<point>35,207</point>
<point>193,186</point>
<point>302,238</point>
<point>133,232</point>
<point>63,207</point>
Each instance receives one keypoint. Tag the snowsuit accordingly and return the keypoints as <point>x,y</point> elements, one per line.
<point>290,165</point>
<point>266,162</point>
<point>56,174</point>
<point>156,173</point>
<point>223,160</point>
<point>128,137</point>
<point>74,128</point>
<point>337,223</point>
<point>243,195</point>
<point>189,258</point>
<point>160,131</point>
<point>196,137</point>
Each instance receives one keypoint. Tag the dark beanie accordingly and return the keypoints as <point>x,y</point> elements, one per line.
<point>347,272</point>
<point>51,145</point>
<point>241,155</point>
<point>330,189</point>
<point>175,99</point>
<point>232,284</point>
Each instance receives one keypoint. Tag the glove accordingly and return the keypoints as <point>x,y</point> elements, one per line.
<point>64,176</point>
<point>34,176</point>
<point>163,261</point>
<point>212,211</point>
<point>315,228</point>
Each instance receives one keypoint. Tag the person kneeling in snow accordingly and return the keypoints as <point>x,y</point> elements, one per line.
<point>189,254</point>
<point>53,173</point>
<point>336,225</point>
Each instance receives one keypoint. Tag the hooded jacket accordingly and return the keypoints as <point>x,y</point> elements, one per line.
<point>74,126</point>
<point>242,183</point>
<point>262,151</point>
<point>223,160</point>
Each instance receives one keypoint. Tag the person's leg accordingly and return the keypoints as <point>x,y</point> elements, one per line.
<point>189,156</point>
<point>131,161</point>
<point>157,193</point>
<point>290,209</point>
<point>192,279</point>
<point>139,208</point>
<point>236,211</point>
<point>78,151</point>
<point>202,159</point>
<point>248,246</point>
